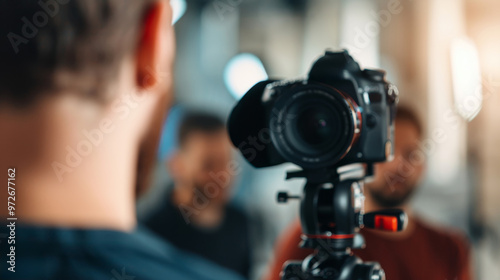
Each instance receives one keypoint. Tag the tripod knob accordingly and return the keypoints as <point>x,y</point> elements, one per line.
<point>388,220</point>
<point>283,197</point>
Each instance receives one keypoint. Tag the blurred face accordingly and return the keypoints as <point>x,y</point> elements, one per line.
<point>203,164</point>
<point>395,181</point>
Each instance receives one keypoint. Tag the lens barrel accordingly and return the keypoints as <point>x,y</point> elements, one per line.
<point>314,125</point>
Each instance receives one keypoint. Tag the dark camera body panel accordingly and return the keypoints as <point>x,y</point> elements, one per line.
<point>339,115</point>
<point>370,91</point>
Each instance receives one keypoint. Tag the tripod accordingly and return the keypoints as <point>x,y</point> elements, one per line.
<point>331,211</point>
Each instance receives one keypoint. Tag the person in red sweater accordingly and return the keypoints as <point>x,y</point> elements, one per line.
<point>420,251</point>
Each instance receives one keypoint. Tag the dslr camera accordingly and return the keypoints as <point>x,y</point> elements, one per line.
<point>339,115</point>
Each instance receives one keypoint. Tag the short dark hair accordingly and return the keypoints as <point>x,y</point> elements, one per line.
<point>198,122</point>
<point>404,113</point>
<point>77,45</point>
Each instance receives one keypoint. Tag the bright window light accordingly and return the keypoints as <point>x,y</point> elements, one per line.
<point>466,76</point>
<point>178,9</point>
<point>242,72</point>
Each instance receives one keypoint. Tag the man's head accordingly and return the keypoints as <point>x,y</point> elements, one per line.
<point>201,163</point>
<point>78,46</point>
<point>395,181</point>
<point>72,65</point>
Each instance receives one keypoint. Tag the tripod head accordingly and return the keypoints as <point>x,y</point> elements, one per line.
<point>331,212</point>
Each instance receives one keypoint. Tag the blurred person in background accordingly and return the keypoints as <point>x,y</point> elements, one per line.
<point>196,215</point>
<point>421,251</point>
<point>84,87</point>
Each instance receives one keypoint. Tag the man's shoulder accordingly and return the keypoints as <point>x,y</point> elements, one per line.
<point>95,254</point>
<point>237,211</point>
<point>238,217</point>
<point>444,237</point>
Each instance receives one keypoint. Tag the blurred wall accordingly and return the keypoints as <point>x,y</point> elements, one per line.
<point>483,25</point>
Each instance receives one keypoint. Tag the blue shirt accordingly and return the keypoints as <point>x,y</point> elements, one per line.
<point>87,254</point>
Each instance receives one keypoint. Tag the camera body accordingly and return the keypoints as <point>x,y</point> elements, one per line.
<point>339,115</point>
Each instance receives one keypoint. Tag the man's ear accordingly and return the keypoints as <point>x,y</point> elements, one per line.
<point>156,25</point>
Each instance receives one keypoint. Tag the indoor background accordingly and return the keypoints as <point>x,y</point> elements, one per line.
<point>444,56</point>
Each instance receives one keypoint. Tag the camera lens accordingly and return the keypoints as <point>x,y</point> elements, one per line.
<point>315,126</point>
